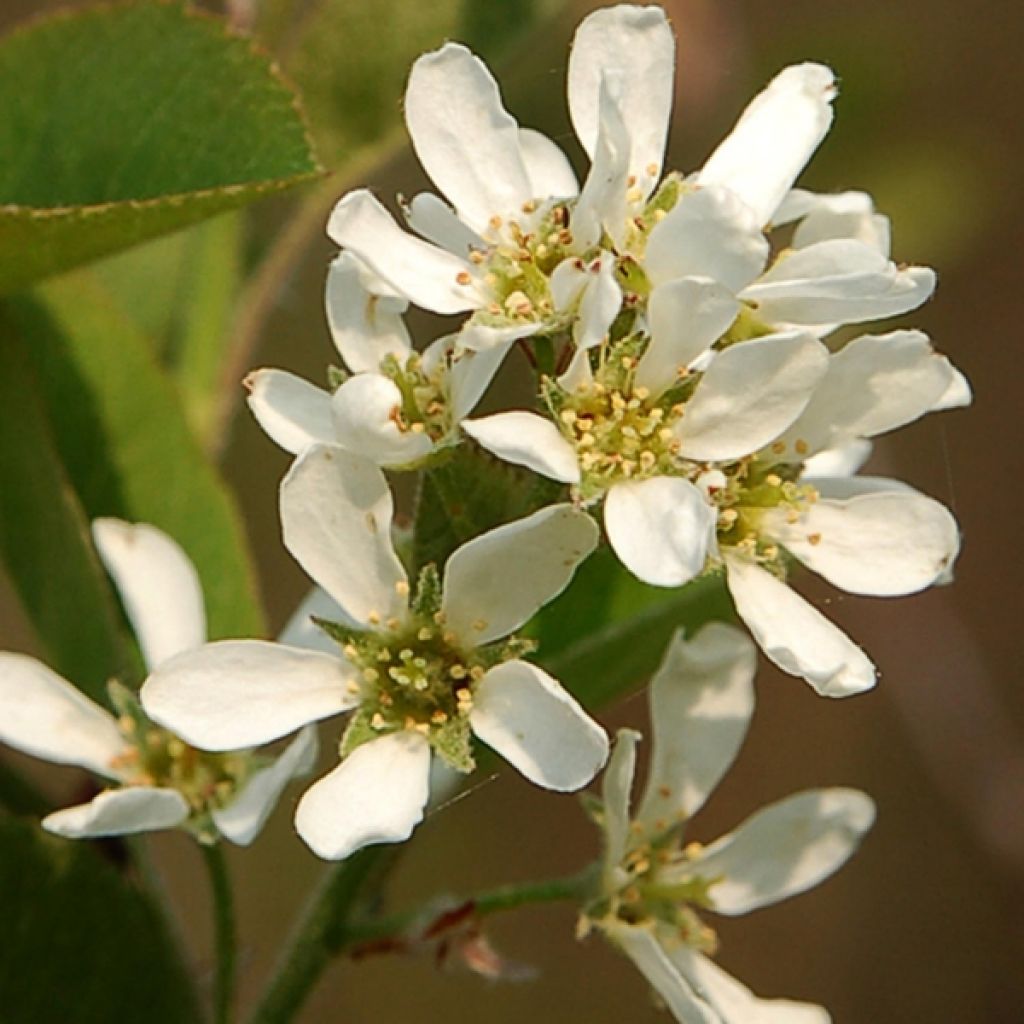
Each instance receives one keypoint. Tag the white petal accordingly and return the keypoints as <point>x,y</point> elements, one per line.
<point>774,138</point>
<point>602,202</point>
<point>423,273</point>
<point>636,45</point>
<point>366,326</point>
<point>599,304</point>
<point>366,410</point>
<point>846,215</point>
<point>796,636</point>
<point>470,375</point>
<point>838,462</point>
<point>158,584</point>
<point>45,716</point>
<point>243,819</point>
<point>483,337</point>
<point>650,957</point>
<point>785,849</point>
<point>750,393</point>
<point>526,439</point>
<point>616,784</point>
<point>708,233</point>
<point>336,511</point>
<point>702,697</point>
<point>301,631</point>
<point>120,812</point>
<point>837,281</point>
<point>496,582</point>
<point>376,795</point>
<point>551,175</point>
<point>873,384</point>
<point>567,282</point>
<point>660,528</point>
<point>293,412</point>
<point>686,317</point>
<point>733,1001</point>
<point>465,139</point>
<point>532,722</point>
<point>578,375</point>
<point>881,545</point>
<point>437,222</point>
<point>240,693</point>
<point>957,394</point>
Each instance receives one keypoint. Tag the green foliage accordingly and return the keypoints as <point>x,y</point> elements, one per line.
<point>606,634</point>
<point>122,435</point>
<point>468,493</point>
<point>125,122</point>
<point>44,536</point>
<point>354,100</point>
<point>81,943</point>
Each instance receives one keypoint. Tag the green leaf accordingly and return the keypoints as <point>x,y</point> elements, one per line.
<point>81,943</point>
<point>468,493</point>
<point>181,291</point>
<point>122,434</point>
<point>126,122</point>
<point>44,536</point>
<point>606,634</point>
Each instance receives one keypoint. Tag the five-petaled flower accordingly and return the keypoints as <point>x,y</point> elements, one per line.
<point>158,781</point>
<point>655,883</point>
<point>421,671</point>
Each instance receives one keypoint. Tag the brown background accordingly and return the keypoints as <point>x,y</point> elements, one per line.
<point>925,925</point>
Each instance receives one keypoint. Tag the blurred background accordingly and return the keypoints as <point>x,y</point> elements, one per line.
<point>926,923</point>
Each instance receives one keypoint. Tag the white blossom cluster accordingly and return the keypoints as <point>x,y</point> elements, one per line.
<point>700,411</point>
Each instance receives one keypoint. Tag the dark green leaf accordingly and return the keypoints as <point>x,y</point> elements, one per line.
<point>121,432</point>
<point>81,943</point>
<point>125,122</point>
<point>467,494</point>
<point>44,536</point>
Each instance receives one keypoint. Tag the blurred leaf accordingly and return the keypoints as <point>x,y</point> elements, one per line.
<point>350,60</point>
<point>181,291</point>
<point>123,123</point>
<point>44,536</point>
<point>606,634</point>
<point>80,942</point>
<point>121,432</point>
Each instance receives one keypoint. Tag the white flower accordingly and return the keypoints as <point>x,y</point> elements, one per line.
<point>863,534</point>
<point>422,671</point>
<point>656,883</point>
<point>641,438</point>
<point>157,782</point>
<point>399,407</point>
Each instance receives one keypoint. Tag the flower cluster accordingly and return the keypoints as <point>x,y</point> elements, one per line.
<point>693,396</point>
<point>705,395</point>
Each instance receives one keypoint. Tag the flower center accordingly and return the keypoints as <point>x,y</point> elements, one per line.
<point>157,757</point>
<point>657,886</point>
<point>618,430</point>
<point>415,674</point>
<point>425,407</point>
<point>743,492</point>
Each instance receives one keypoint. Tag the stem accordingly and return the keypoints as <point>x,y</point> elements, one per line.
<point>321,933</point>
<point>399,930</point>
<point>224,931</point>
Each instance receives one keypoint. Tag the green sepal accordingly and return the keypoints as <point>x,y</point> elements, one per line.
<point>336,376</point>
<point>428,592</point>
<point>338,632</point>
<point>453,742</point>
<point>358,731</point>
